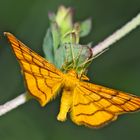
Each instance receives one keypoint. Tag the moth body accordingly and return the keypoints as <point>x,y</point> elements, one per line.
<point>71,81</point>
<point>89,104</point>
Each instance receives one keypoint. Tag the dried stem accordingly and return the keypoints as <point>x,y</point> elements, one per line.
<point>99,48</point>
<point>14,103</point>
<point>120,33</point>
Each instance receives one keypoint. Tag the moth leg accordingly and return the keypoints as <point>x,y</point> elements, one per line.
<point>66,102</point>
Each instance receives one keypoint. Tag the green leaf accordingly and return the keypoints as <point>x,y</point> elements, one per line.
<point>61,43</point>
<point>48,46</point>
<point>85,27</point>
<point>70,37</point>
<point>77,56</point>
<point>64,19</point>
<point>59,57</point>
<point>55,34</point>
<point>90,44</point>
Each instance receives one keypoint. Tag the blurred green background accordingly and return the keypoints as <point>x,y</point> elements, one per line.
<point>118,68</point>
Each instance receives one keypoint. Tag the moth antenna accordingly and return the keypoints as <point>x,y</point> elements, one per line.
<point>88,60</point>
<point>66,54</point>
<point>78,56</point>
<point>83,66</point>
<point>100,53</point>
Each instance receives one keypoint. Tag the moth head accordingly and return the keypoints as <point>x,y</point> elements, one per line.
<point>73,73</point>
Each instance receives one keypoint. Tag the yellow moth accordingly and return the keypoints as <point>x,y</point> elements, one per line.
<point>89,104</point>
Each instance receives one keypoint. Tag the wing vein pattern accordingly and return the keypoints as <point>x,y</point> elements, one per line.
<point>42,79</point>
<point>95,105</point>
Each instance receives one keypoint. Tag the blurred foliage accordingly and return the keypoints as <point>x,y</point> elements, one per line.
<point>118,68</point>
<point>61,42</point>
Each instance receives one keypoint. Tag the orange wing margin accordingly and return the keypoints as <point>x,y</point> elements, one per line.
<point>95,105</point>
<point>42,79</point>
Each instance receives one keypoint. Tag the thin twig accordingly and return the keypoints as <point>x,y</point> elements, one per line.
<point>120,33</point>
<point>10,105</point>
